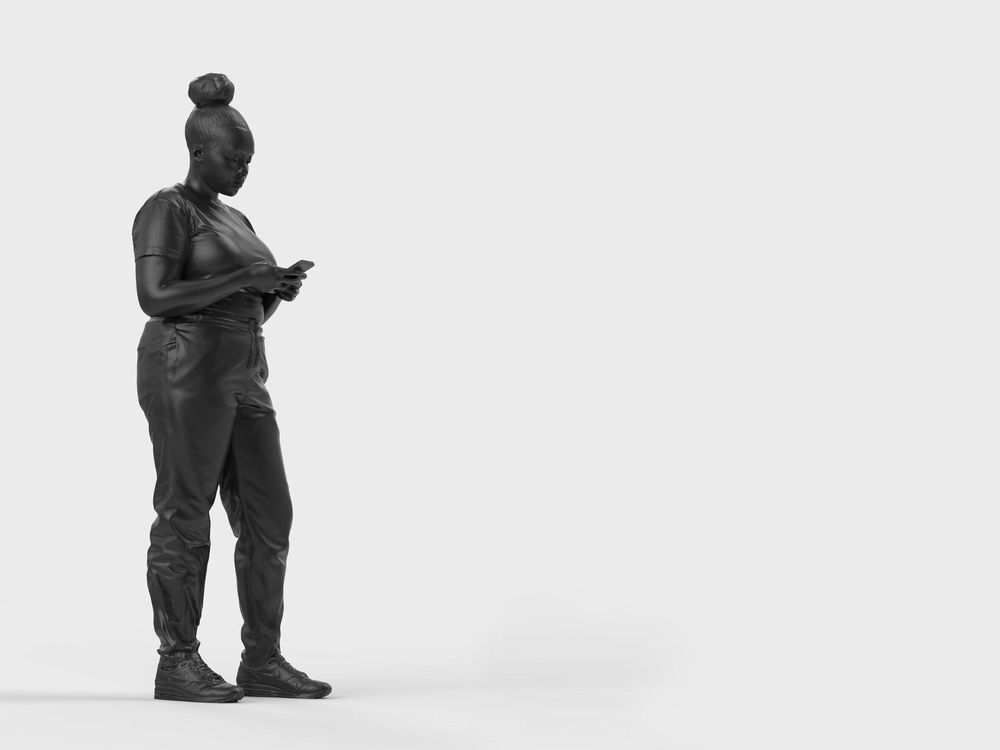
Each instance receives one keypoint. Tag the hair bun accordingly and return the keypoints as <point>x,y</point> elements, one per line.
<point>211,89</point>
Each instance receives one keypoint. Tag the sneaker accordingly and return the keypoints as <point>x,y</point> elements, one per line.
<point>279,679</point>
<point>186,677</point>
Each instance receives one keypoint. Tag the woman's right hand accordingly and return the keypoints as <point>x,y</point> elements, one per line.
<point>266,277</point>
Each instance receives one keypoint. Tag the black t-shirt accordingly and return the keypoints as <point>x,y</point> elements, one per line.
<point>206,237</point>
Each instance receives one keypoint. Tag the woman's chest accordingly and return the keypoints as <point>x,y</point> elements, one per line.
<point>223,246</point>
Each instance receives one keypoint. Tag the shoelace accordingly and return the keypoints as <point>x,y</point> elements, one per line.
<point>200,666</point>
<point>284,662</point>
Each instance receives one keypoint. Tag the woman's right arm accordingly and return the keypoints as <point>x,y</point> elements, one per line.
<point>162,293</point>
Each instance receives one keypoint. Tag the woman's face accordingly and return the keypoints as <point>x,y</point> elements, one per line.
<point>224,164</point>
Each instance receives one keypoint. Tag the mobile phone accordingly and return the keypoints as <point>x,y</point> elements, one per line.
<point>301,266</point>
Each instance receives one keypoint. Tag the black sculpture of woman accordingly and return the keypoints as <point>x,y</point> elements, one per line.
<point>208,283</point>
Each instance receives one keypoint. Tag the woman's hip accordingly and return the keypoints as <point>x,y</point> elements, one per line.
<point>194,357</point>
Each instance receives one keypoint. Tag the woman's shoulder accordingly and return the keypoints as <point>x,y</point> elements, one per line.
<point>182,195</point>
<point>173,195</point>
<point>166,206</point>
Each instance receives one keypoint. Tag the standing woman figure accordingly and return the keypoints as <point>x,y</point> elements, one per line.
<point>208,283</point>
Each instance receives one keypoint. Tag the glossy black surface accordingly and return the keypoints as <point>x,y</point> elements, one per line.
<point>201,384</point>
<point>206,238</point>
<point>276,678</point>
<point>185,676</point>
<point>208,283</point>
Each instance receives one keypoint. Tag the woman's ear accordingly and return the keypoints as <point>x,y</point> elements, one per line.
<point>197,152</point>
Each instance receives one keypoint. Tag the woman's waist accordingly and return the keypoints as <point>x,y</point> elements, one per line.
<point>243,311</point>
<point>234,322</point>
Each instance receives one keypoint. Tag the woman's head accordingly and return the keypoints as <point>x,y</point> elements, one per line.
<point>218,139</point>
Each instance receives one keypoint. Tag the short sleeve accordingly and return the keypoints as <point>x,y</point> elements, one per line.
<point>161,228</point>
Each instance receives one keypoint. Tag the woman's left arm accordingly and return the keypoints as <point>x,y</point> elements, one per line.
<point>289,290</point>
<point>271,302</point>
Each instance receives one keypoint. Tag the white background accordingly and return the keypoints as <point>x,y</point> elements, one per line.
<point>644,394</point>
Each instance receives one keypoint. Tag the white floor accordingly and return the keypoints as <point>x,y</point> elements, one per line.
<point>359,714</point>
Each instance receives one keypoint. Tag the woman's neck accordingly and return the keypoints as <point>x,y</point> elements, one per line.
<point>194,183</point>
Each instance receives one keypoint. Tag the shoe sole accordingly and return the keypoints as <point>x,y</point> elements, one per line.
<point>265,691</point>
<point>165,694</point>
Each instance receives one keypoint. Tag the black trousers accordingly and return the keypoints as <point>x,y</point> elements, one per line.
<point>201,383</point>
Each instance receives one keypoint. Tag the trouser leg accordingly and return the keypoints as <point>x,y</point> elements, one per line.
<point>190,419</point>
<point>254,491</point>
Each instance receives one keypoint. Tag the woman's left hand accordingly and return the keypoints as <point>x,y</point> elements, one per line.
<point>290,286</point>
<point>289,292</point>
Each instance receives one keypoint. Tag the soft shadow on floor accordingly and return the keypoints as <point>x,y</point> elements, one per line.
<point>368,687</point>
<point>44,697</point>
